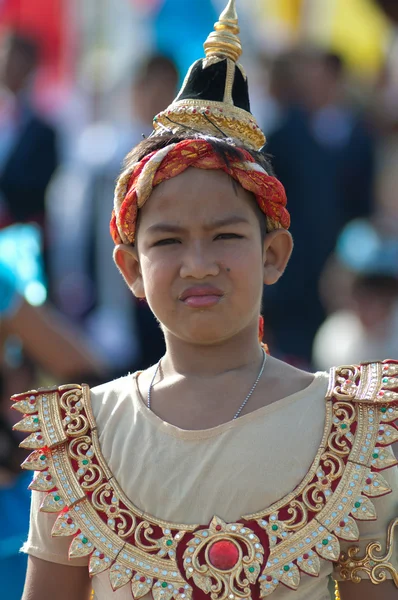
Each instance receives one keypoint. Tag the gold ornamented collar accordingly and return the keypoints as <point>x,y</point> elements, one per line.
<point>248,559</point>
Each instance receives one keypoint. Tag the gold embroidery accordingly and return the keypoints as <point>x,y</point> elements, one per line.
<point>374,564</point>
<point>200,114</point>
<point>141,550</point>
<point>233,576</point>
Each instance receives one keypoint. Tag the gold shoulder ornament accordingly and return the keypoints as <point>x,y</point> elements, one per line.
<point>248,559</point>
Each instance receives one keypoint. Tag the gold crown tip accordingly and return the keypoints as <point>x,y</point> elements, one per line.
<point>229,13</point>
<point>224,40</point>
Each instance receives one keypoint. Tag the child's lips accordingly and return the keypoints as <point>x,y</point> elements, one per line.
<point>201,297</point>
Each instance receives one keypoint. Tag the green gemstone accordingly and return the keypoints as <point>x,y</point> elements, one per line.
<point>375,455</point>
<point>275,527</point>
<point>164,584</point>
<point>286,568</point>
<point>357,504</point>
<point>84,540</point>
<point>385,379</point>
<point>85,462</point>
<point>43,457</point>
<point>251,569</point>
<point>383,409</point>
<point>35,420</point>
<point>169,543</point>
<point>325,542</point>
<point>344,426</point>
<point>56,498</point>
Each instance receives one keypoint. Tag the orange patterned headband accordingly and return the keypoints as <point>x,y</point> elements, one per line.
<point>136,184</point>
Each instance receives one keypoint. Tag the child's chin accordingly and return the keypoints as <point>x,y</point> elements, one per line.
<point>205,334</point>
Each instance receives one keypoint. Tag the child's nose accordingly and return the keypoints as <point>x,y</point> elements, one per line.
<point>198,262</point>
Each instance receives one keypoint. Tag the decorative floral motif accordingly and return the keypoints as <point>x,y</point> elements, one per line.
<point>375,564</point>
<point>224,560</point>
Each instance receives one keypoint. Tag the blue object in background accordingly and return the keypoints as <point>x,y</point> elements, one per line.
<point>14,502</point>
<point>9,296</point>
<point>21,265</point>
<point>181,24</point>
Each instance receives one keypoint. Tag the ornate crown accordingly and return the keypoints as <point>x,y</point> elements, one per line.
<point>214,97</point>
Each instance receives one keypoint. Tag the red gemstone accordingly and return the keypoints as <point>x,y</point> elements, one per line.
<point>218,527</point>
<point>306,556</point>
<point>381,394</point>
<point>32,400</point>
<point>348,381</point>
<point>181,590</point>
<point>48,477</point>
<point>224,555</point>
<point>69,521</point>
<point>112,509</point>
<point>325,481</point>
<point>72,411</point>
<point>142,579</point>
<point>194,112</point>
<point>269,578</point>
<point>101,556</point>
<point>368,481</point>
<point>342,523</point>
<point>39,437</point>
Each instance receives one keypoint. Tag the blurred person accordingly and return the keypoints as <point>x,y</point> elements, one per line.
<point>25,317</point>
<point>51,343</point>
<point>65,353</point>
<point>86,285</point>
<point>324,153</point>
<point>217,426</point>
<point>367,331</point>
<point>367,326</point>
<point>28,144</point>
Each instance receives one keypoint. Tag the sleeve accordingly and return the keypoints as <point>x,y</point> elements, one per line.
<point>41,544</point>
<point>376,531</point>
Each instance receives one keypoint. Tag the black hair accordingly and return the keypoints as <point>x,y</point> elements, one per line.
<point>334,63</point>
<point>377,283</point>
<point>154,64</point>
<point>24,45</point>
<point>226,149</point>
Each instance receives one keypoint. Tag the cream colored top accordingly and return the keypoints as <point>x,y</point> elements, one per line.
<point>237,468</point>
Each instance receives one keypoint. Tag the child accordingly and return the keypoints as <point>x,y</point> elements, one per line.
<point>221,472</point>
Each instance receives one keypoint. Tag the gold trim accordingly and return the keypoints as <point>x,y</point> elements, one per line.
<point>229,82</point>
<point>215,118</point>
<point>375,565</point>
<point>140,549</point>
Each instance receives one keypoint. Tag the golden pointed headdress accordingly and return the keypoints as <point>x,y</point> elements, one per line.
<point>214,98</point>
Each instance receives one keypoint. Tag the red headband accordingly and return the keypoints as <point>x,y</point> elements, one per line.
<point>136,184</point>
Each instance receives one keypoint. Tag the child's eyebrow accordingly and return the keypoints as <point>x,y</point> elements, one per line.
<point>173,228</point>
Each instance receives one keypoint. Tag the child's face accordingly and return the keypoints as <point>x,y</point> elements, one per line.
<point>200,257</point>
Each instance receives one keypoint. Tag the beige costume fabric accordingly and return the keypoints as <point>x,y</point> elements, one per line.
<point>189,476</point>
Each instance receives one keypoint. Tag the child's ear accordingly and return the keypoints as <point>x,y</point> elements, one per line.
<point>278,246</point>
<point>126,259</point>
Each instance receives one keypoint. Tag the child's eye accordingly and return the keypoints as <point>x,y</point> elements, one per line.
<point>229,236</point>
<point>166,242</point>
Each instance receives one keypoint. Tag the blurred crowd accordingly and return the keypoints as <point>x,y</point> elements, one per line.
<point>333,139</point>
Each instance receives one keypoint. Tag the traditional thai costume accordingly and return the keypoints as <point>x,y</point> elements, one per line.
<point>270,504</point>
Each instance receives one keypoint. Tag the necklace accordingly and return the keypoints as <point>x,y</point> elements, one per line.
<point>246,400</point>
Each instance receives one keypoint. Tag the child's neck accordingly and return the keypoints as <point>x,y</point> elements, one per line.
<point>195,360</point>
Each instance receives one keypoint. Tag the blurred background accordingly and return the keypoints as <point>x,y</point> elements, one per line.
<point>79,85</point>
